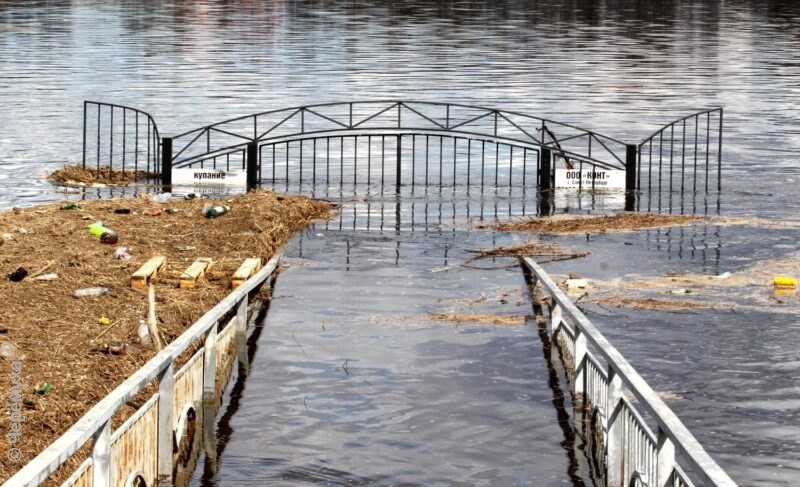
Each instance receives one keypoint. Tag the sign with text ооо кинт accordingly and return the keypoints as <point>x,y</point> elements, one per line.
<point>590,178</point>
<point>199,177</point>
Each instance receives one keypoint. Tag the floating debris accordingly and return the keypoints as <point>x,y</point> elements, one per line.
<point>572,224</point>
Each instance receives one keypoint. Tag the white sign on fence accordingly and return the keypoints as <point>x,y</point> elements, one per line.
<point>603,178</point>
<point>200,177</point>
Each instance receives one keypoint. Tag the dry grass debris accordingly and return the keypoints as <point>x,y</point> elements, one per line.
<point>572,224</point>
<point>502,320</point>
<point>59,335</point>
<point>79,176</point>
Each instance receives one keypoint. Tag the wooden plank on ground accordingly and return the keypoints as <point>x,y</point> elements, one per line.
<point>247,269</point>
<point>141,278</point>
<point>195,271</point>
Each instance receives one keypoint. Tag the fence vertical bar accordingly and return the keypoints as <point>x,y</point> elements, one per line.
<point>166,161</point>
<point>166,391</point>
<point>111,141</point>
<point>83,161</point>
<point>580,360</point>
<point>708,136</point>
<point>630,176</point>
<point>399,152</point>
<point>136,144</point>
<point>252,164</point>
<point>99,107</point>
<point>101,457</point>
<point>719,154</point>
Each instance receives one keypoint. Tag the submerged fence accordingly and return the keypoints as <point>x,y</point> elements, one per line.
<point>629,451</point>
<point>121,138</point>
<point>146,449</point>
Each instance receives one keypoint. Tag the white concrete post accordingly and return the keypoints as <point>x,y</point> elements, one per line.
<point>101,457</point>
<point>210,366</point>
<point>666,458</point>
<point>579,354</point>
<point>555,320</point>
<point>166,397</point>
<point>614,430</point>
<point>241,333</point>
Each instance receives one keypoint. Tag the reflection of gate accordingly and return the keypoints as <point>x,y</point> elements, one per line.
<point>409,143</point>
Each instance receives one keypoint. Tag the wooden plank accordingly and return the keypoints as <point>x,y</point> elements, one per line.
<point>243,273</point>
<point>195,271</point>
<point>141,277</point>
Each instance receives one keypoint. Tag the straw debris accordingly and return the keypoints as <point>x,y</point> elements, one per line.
<point>572,224</point>
<point>78,175</point>
<point>502,320</point>
<point>59,335</point>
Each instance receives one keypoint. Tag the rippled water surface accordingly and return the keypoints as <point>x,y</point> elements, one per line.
<point>424,403</point>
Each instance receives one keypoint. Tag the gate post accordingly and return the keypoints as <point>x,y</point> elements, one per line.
<point>252,164</point>
<point>166,161</point>
<point>546,171</point>
<point>631,151</point>
<point>399,154</point>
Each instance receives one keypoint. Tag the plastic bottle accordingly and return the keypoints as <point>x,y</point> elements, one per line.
<point>8,350</point>
<point>90,291</point>
<point>106,235</point>
<point>216,211</point>
<point>143,332</point>
<point>163,197</point>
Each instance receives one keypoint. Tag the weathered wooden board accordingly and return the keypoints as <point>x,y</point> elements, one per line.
<point>243,273</point>
<point>195,271</point>
<point>141,278</point>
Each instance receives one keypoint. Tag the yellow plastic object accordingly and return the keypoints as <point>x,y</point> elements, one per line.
<point>781,281</point>
<point>104,321</point>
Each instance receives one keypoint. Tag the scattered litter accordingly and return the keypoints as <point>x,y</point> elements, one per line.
<point>47,277</point>
<point>71,206</point>
<point>90,291</point>
<point>724,275</point>
<point>576,283</point>
<point>88,217</point>
<point>104,320</point>
<point>122,253</point>
<point>172,211</point>
<point>215,211</point>
<point>18,274</point>
<point>8,236</point>
<point>190,196</point>
<point>3,330</point>
<point>783,281</point>
<point>8,350</point>
<point>21,230</point>
<point>152,212</point>
<point>187,248</point>
<point>680,290</point>
<point>117,348</point>
<point>42,388</point>
<point>106,235</point>
<point>143,332</point>
<point>163,197</point>
<point>123,211</point>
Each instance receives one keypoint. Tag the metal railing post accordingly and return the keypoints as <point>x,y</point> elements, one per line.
<point>166,161</point>
<point>399,158</point>
<point>614,429</point>
<point>631,151</point>
<point>555,320</point>
<point>166,393</point>
<point>83,161</point>
<point>210,367</point>
<point>546,176</point>
<point>252,164</point>
<point>101,457</point>
<point>666,459</point>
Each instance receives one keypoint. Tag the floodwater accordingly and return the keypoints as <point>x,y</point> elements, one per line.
<point>351,383</point>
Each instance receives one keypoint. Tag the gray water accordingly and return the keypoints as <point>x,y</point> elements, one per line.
<point>620,68</point>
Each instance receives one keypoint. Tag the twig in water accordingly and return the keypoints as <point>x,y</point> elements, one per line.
<point>344,366</point>
<point>301,345</point>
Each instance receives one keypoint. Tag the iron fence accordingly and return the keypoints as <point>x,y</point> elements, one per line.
<point>120,137</point>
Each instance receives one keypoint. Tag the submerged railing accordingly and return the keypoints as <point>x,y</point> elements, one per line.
<point>144,450</point>
<point>120,137</point>
<point>630,452</point>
